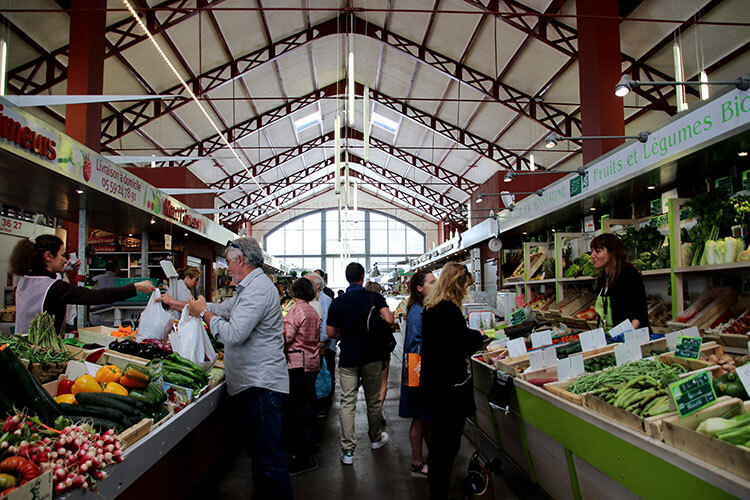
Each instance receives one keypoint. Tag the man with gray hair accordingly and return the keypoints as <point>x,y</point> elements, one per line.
<point>251,327</point>
<point>329,345</point>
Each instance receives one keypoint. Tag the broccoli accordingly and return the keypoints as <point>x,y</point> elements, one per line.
<point>573,271</point>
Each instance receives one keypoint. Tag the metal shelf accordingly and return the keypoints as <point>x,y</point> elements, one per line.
<point>539,282</point>
<point>576,280</point>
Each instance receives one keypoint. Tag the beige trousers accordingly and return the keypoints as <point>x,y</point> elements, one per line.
<point>349,379</point>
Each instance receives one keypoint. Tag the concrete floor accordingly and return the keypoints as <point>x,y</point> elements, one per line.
<point>381,474</point>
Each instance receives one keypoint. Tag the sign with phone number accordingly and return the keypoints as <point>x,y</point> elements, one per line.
<point>22,228</point>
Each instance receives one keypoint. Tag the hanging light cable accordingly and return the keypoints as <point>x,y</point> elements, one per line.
<point>366,122</point>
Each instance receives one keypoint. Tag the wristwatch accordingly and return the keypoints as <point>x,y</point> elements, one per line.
<point>203,312</point>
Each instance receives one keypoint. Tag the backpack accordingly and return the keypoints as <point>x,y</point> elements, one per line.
<point>378,331</point>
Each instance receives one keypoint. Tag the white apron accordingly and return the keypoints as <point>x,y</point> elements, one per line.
<point>30,295</point>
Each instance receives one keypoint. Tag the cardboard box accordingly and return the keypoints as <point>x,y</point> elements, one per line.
<point>39,488</point>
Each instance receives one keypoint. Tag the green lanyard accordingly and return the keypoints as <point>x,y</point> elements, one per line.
<point>602,304</point>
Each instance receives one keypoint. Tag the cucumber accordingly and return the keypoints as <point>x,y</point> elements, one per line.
<point>137,405</point>
<point>130,421</point>
<point>27,391</point>
<point>157,392</point>
<point>92,411</point>
<point>102,424</point>
<point>95,398</point>
<point>143,397</point>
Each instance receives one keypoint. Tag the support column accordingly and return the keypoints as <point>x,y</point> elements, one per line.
<point>86,70</point>
<point>83,238</point>
<point>599,69</point>
<point>144,254</point>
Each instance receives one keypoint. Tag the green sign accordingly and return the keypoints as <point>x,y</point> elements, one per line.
<point>575,185</point>
<point>660,220</point>
<point>656,207</point>
<point>688,347</point>
<point>518,316</point>
<point>693,394</point>
<point>686,213</point>
<point>724,185</point>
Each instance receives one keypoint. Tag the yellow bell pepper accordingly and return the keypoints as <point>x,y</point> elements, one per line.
<point>66,398</point>
<point>115,388</point>
<point>108,373</point>
<point>86,383</point>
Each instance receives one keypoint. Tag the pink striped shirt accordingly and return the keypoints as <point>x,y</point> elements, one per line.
<point>302,337</point>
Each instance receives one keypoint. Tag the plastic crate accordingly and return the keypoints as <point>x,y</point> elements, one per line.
<point>139,297</point>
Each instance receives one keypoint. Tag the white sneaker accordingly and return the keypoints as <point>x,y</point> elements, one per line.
<point>347,457</point>
<point>379,444</point>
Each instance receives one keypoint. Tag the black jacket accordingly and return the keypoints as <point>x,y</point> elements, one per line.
<point>627,296</point>
<point>446,344</point>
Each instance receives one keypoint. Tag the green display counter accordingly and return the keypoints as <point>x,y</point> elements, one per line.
<point>572,452</point>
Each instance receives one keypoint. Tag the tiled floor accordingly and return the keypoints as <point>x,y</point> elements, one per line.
<point>381,474</point>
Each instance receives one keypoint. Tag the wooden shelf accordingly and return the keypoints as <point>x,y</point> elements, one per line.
<point>540,282</point>
<point>656,272</point>
<point>733,266</point>
<point>578,279</point>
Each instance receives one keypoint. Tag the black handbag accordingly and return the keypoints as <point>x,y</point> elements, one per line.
<point>378,330</point>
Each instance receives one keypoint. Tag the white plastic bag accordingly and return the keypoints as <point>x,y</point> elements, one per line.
<point>191,341</point>
<point>155,322</point>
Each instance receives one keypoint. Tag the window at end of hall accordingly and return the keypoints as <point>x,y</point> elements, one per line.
<point>314,240</point>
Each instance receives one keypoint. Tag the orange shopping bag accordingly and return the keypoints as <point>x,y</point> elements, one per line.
<point>414,362</point>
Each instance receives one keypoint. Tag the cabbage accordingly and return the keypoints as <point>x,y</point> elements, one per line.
<point>740,247</point>
<point>730,246</point>
<point>721,251</point>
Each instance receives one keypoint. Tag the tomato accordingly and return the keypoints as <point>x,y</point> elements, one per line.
<point>30,471</point>
<point>64,387</point>
<point>13,464</point>
<point>7,481</point>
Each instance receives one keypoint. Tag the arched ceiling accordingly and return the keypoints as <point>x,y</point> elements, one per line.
<point>472,86</point>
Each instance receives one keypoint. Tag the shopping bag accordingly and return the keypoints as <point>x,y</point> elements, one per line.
<point>155,322</point>
<point>414,364</point>
<point>323,382</point>
<point>191,341</point>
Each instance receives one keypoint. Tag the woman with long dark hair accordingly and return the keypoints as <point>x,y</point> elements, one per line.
<point>447,342</point>
<point>38,261</point>
<point>620,293</point>
<point>411,404</point>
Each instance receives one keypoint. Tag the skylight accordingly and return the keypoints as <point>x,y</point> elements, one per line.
<point>384,123</point>
<point>307,121</point>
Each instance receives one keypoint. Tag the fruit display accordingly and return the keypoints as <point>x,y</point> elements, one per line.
<point>582,266</point>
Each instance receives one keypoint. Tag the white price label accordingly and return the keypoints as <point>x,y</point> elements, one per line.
<point>550,356</point>
<point>621,354</point>
<point>576,365</point>
<point>563,369</point>
<point>541,339</point>
<point>516,347</point>
<point>639,335</point>
<point>625,326</point>
<point>593,339</point>
<point>687,332</point>
<point>536,360</point>
<point>743,372</point>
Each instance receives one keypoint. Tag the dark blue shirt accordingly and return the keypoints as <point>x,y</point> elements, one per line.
<point>348,313</point>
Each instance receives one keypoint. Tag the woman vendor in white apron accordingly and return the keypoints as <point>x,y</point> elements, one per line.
<point>38,261</point>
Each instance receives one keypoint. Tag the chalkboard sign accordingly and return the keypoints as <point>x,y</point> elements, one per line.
<point>656,207</point>
<point>688,347</point>
<point>724,185</point>
<point>518,316</point>
<point>693,394</point>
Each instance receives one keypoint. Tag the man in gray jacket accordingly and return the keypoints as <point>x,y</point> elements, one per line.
<point>250,326</point>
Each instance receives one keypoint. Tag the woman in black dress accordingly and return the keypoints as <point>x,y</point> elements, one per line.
<point>447,342</point>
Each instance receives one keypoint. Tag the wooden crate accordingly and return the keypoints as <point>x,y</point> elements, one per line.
<point>734,340</point>
<point>636,422</point>
<point>559,389</point>
<point>680,433</point>
<point>690,364</point>
<point>39,487</point>
<point>78,352</point>
<point>133,434</point>
<point>120,360</point>
<point>100,335</point>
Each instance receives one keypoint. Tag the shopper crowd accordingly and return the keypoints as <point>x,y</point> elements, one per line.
<point>281,369</point>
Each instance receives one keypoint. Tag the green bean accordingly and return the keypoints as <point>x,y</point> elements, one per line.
<point>625,373</point>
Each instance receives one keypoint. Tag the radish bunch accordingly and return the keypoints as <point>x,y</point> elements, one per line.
<point>79,456</point>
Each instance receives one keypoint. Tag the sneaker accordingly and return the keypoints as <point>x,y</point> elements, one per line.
<point>347,457</point>
<point>379,444</point>
<point>419,470</point>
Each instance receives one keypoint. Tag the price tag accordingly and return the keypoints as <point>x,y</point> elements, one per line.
<point>563,369</point>
<point>656,207</point>
<point>634,351</point>
<point>687,332</point>
<point>621,354</point>
<point>540,339</point>
<point>623,327</point>
<point>516,348</point>
<point>693,393</point>
<point>518,316</point>
<point>550,356</point>
<point>743,372</point>
<point>593,339</point>
<point>724,185</point>
<point>688,347</point>
<point>640,336</point>
<point>576,365</point>
<point>536,361</point>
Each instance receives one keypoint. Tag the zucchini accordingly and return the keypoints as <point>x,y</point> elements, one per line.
<point>181,370</point>
<point>27,389</point>
<point>144,397</point>
<point>94,398</point>
<point>130,422</point>
<point>159,414</point>
<point>102,424</point>
<point>91,411</point>
<point>157,392</point>
<point>137,405</point>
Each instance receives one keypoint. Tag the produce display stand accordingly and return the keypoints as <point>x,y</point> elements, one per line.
<point>144,457</point>
<point>574,452</point>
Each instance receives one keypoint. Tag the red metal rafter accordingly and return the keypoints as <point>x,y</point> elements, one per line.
<point>450,178</point>
<point>122,35</point>
<point>406,187</point>
<point>142,113</point>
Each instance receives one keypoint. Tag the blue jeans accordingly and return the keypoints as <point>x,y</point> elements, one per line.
<point>261,412</point>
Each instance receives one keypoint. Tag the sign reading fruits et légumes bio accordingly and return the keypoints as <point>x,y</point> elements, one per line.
<point>26,136</point>
<point>709,122</point>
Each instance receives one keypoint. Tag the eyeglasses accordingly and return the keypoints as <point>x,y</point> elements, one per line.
<point>232,244</point>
